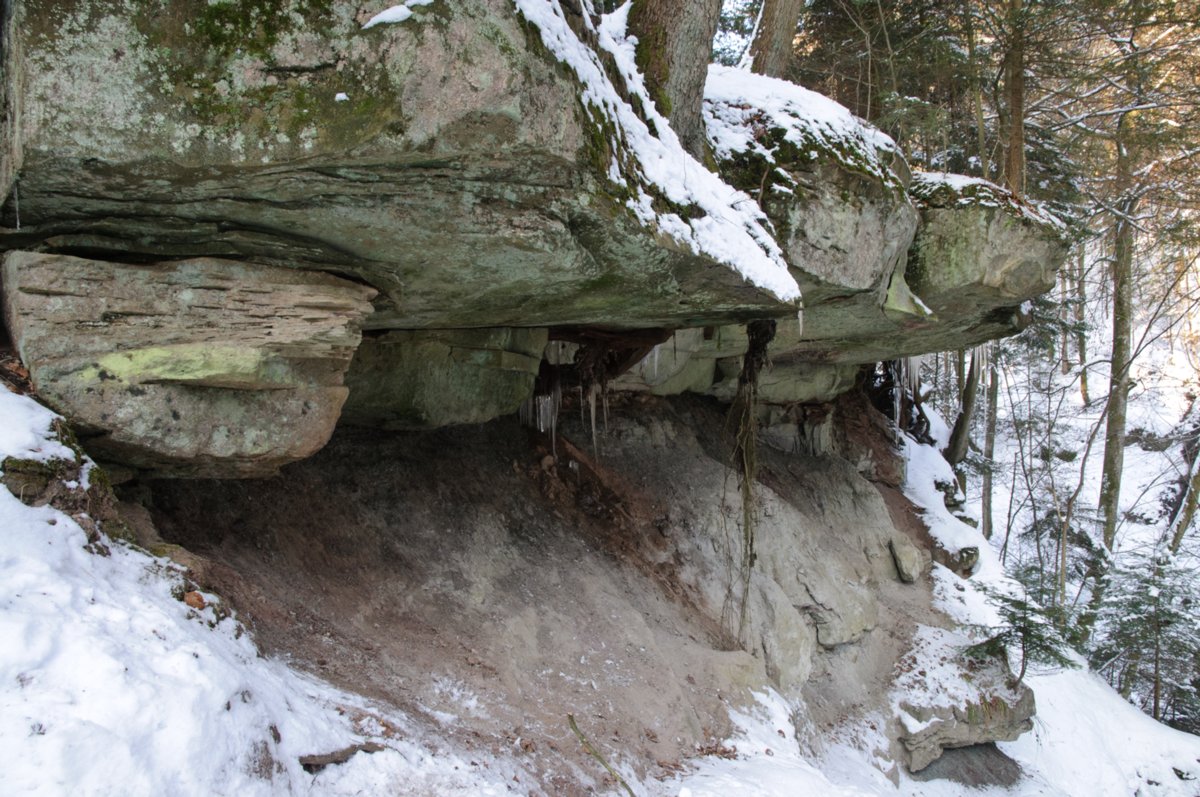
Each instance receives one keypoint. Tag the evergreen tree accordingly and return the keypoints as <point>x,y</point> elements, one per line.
<point>1027,631</point>
<point>1150,635</point>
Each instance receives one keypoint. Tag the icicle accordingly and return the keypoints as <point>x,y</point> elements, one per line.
<point>17,203</point>
<point>592,391</point>
<point>983,355</point>
<point>898,380</point>
<point>912,375</point>
<point>541,411</point>
<point>800,319</point>
<point>656,348</point>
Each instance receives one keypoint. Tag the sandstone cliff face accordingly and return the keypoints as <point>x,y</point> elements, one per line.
<point>230,227</point>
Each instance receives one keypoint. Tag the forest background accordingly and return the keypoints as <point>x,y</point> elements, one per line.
<point>1076,443</point>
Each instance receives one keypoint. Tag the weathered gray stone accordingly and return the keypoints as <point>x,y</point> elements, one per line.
<point>973,264</point>
<point>979,248</point>
<point>1003,713</point>
<point>665,370</point>
<point>10,143</point>
<point>962,561</point>
<point>199,367</point>
<point>708,361</point>
<point>976,257</point>
<point>460,175</point>
<point>426,379</point>
<point>791,382</point>
<point>910,564</point>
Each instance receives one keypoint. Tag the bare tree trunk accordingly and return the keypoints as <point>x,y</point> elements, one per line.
<point>956,447</point>
<point>1014,86</point>
<point>673,51</point>
<point>1183,518</point>
<point>977,94</point>
<point>1080,333</point>
<point>989,446</point>
<point>771,49</point>
<point>1064,354</point>
<point>1118,393</point>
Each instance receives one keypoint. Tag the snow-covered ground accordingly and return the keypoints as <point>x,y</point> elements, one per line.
<point>110,684</point>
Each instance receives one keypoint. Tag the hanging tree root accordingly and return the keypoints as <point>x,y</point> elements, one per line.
<point>594,753</point>
<point>745,447</point>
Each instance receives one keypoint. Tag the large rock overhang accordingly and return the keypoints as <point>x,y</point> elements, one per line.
<point>448,162</point>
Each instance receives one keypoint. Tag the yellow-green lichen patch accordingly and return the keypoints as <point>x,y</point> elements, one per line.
<point>193,363</point>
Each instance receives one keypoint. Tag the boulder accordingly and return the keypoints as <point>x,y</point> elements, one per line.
<point>833,187</point>
<point>427,379</point>
<point>947,700</point>
<point>910,564</point>
<point>196,367</point>
<point>997,718</point>
<point>978,257</point>
<point>846,209</point>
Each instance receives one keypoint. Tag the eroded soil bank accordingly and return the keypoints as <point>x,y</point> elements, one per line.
<point>493,582</point>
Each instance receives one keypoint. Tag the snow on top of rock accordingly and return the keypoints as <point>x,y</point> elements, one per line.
<point>930,674</point>
<point>730,227</point>
<point>945,190</point>
<point>395,13</point>
<point>739,106</point>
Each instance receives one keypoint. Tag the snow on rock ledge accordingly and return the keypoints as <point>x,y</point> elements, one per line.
<point>729,227</point>
<point>979,249</point>
<point>802,155</point>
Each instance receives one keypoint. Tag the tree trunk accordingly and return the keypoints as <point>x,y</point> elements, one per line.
<point>1014,86</point>
<point>977,95</point>
<point>674,48</point>
<point>1080,333</point>
<point>956,448</point>
<point>1183,518</point>
<point>771,49</point>
<point>1118,393</point>
<point>989,447</point>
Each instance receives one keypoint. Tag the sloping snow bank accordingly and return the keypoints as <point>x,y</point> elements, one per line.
<point>110,685</point>
<point>767,762</point>
<point>730,228</point>
<point>1088,741</point>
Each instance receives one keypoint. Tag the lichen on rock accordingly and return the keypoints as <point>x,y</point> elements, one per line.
<point>194,367</point>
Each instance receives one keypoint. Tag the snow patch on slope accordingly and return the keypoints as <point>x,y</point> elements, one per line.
<point>766,763</point>
<point>1087,740</point>
<point>109,684</point>
<point>925,469</point>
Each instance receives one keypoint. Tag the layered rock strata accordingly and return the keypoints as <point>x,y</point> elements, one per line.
<point>197,367</point>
